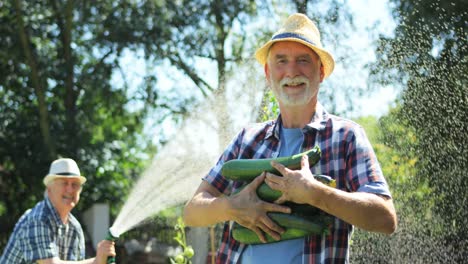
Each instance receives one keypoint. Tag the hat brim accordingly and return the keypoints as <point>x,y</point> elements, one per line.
<point>325,57</point>
<point>50,177</point>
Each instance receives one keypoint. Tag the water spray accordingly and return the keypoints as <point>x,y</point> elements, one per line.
<point>174,174</point>
<point>111,237</point>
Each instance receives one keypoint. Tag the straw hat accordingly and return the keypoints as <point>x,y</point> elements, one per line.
<point>63,168</point>
<point>299,28</point>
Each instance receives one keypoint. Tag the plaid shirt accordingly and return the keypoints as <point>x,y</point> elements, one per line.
<point>40,234</point>
<point>347,157</point>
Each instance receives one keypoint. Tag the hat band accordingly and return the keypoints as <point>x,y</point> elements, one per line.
<point>67,174</point>
<point>292,35</point>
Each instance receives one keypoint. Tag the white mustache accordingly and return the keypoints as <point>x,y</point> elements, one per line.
<point>294,81</point>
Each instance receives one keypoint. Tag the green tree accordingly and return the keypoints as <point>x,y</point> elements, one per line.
<point>200,31</point>
<point>427,58</point>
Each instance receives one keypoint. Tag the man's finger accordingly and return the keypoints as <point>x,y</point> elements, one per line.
<point>272,179</point>
<point>280,167</point>
<point>257,181</point>
<point>272,207</point>
<point>260,234</point>
<point>304,162</point>
<point>280,200</point>
<point>274,231</point>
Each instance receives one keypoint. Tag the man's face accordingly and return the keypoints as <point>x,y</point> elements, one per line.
<point>294,73</point>
<point>64,193</point>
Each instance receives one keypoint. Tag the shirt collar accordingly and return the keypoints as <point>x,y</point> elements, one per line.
<point>274,128</point>
<point>55,214</point>
<point>318,122</point>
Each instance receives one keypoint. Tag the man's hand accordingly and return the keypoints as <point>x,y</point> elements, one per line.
<point>296,185</point>
<point>250,211</point>
<point>105,249</point>
<point>365,210</point>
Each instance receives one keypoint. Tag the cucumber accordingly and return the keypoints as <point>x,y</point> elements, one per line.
<point>248,169</point>
<point>325,179</point>
<point>306,210</point>
<point>314,224</point>
<point>267,194</point>
<point>247,236</point>
<point>295,227</point>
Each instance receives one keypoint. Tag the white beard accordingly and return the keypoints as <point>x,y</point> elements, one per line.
<point>303,98</point>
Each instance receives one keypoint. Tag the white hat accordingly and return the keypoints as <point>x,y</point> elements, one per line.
<point>299,28</point>
<point>63,168</point>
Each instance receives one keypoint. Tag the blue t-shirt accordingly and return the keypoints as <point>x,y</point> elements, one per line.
<point>288,251</point>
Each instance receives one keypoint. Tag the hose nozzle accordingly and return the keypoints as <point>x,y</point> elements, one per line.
<point>111,237</point>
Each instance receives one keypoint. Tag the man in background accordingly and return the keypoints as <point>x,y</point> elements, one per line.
<point>49,233</point>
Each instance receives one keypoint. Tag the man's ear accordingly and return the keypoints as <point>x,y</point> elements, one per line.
<point>267,73</point>
<point>322,73</point>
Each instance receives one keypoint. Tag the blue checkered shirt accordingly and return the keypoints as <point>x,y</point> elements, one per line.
<point>347,156</point>
<point>40,234</point>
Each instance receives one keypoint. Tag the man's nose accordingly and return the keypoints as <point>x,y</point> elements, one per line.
<point>70,187</point>
<point>292,70</point>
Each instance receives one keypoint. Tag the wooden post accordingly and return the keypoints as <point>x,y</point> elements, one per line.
<point>212,238</point>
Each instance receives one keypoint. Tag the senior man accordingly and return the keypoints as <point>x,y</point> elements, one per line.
<point>295,64</point>
<point>49,233</point>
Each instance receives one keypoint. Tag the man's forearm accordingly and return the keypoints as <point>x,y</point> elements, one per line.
<point>205,210</point>
<point>364,210</point>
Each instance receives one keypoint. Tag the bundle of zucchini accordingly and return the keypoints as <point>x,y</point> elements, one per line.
<point>303,220</point>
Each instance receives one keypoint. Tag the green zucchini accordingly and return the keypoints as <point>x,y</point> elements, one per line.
<point>306,210</point>
<point>325,179</point>
<point>247,236</point>
<point>314,224</point>
<point>295,227</point>
<point>248,169</point>
<point>310,212</point>
<point>267,194</point>
<point>264,192</point>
